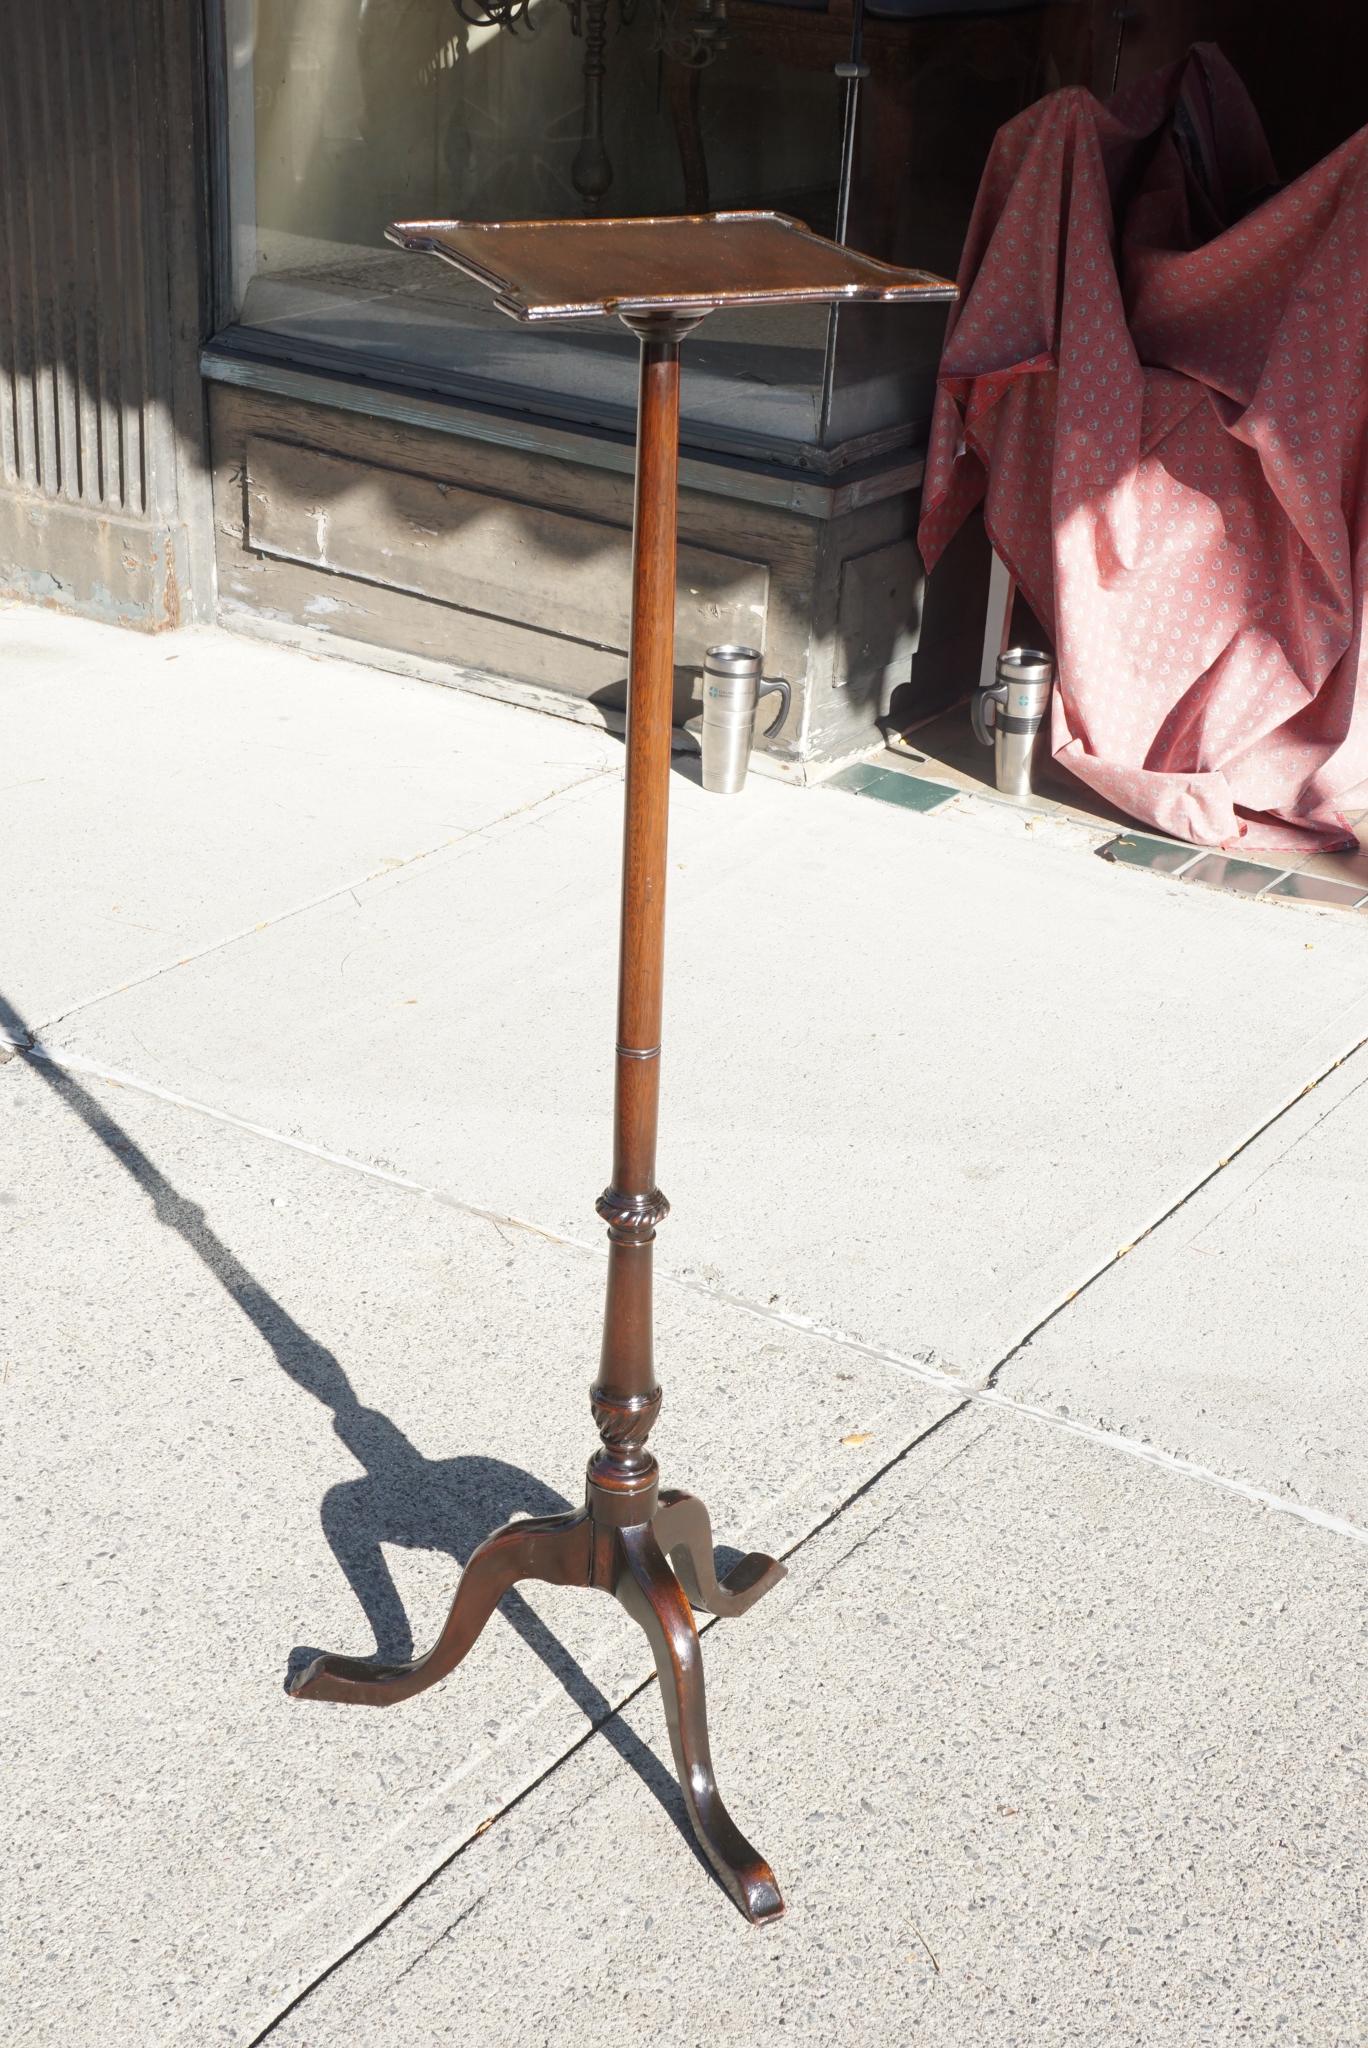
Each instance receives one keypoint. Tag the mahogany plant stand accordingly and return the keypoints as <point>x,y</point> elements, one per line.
<point>652,1550</point>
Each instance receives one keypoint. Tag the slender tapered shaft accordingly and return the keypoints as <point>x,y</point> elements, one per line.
<point>650,717</point>
<point>626,1398</point>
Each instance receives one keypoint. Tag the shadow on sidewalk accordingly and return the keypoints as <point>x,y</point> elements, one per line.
<point>446,1505</point>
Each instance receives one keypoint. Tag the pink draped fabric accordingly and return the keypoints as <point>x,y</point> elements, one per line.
<point>1164,416</point>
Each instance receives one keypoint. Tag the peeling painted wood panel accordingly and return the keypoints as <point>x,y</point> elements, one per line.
<point>783,539</point>
<point>879,616</point>
<point>526,564</point>
<point>289,592</point>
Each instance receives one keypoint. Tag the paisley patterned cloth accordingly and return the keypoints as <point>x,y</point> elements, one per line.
<point>1158,387</point>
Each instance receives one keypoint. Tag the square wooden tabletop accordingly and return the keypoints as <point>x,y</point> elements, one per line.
<point>570,269</point>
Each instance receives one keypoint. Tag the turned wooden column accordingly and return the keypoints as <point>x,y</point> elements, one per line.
<point>625,1398</point>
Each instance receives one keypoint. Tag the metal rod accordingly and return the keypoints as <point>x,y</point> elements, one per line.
<point>854,71</point>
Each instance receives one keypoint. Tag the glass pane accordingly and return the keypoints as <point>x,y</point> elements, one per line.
<point>346,114</point>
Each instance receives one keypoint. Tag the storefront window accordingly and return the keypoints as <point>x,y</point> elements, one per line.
<point>346,114</point>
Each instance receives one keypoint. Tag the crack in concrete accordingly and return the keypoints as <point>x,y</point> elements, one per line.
<point>1181,1201</point>
<point>473,1906</point>
<point>613,1710</point>
<point>1287,1150</point>
<point>811,1586</point>
<point>933,1478</point>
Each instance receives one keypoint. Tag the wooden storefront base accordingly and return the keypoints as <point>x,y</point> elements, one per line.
<point>507,564</point>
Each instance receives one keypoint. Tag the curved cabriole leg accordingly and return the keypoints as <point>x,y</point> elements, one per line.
<point>684,1533</point>
<point>653,1597</point>
<point>553,1548</point>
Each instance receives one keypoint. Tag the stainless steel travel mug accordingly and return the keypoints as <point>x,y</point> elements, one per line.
<point>732,687</point>
<point>1009,717</point>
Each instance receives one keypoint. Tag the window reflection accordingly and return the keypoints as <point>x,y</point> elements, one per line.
<point>346,114</point>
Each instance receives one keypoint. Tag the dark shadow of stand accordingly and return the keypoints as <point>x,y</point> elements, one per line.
<point>685,758</point>
<point>447,1505</point>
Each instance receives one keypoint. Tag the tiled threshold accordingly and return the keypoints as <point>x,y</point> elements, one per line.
<point>1320,881</point>
<point>1269,882</point>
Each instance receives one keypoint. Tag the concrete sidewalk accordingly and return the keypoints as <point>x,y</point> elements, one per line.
<point>1053,1395</point>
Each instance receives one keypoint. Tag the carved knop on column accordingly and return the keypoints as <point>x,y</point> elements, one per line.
<point>624,1421</point>
<point>632,1216</point>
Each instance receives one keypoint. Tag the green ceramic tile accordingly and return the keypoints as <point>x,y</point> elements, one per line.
<point>1159,856</point>
<point>908,790</point>
<point>1304,888</point>
<point>855,779</point>
<point>1238,877</point>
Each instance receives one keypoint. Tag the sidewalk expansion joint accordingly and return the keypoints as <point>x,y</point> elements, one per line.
<point>475,836</point>
<point>984,1394</point>
<point>966,1392</point>
<point>96,1070</point>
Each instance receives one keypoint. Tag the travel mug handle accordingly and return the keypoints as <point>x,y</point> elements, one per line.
<point>777,683</point>
<point>981,711</point>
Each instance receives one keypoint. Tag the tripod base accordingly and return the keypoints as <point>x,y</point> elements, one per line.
<point>633,1562</point>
